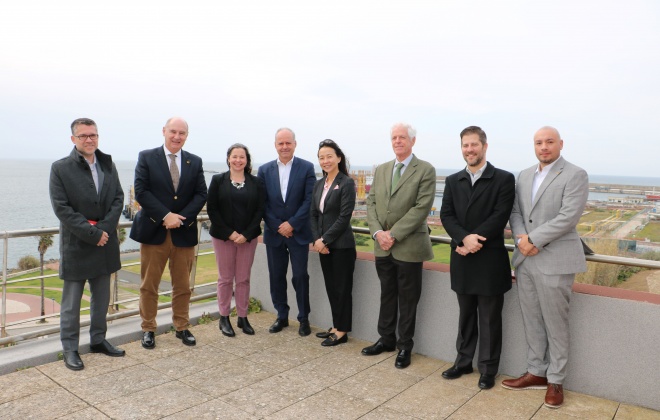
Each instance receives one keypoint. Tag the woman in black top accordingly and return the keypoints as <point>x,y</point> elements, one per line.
<point>333,201</point>
<point>235,207</point>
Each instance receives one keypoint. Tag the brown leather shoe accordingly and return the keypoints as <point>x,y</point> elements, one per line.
<point>554,396</point>
<point>527,381</point>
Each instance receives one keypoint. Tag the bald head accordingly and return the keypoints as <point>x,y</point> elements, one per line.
<point>547,145</point>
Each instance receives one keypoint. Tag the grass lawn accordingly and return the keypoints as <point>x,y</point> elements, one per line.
<point>597,215</point>
<point>206,271</point>
<point>441,252</point>
<point>650,231</point>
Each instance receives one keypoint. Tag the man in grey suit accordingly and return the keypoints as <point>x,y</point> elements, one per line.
<point>398,204</point>
<point>87,198</point>
<point>550,199</point>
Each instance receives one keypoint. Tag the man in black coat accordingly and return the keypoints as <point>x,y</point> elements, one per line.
<point>476,206</point>
<point>171,189</point>
<point>87,198</point>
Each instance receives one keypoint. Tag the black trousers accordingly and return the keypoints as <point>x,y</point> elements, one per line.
<point>338,268</point>
<point>480,317</point>
<point>400,290</point>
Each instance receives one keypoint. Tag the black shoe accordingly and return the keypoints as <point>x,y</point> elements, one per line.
<point>486,381</point>
<point>333,340</point>
<point>187,337</point>
<point>324,334</point>
<point>73,361</point>
<point>455,372</point>
<point>402,359</point>
<point>148,340</point>
<point>304,330</point>
<point>225,327</point>
<point>377,348</point>
<point>107,349</point>
<point>278,325</point>
<point>244,324</point>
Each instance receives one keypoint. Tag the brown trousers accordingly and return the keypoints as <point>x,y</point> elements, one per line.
<point>153,259</point>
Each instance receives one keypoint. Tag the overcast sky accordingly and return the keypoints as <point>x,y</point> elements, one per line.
<point>345,70</point>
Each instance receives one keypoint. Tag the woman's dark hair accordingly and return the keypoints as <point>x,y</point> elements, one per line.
<point>343,164</point>
<point>248,165</point>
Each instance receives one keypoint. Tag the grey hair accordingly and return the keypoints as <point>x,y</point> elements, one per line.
<point>287,129</point>
<point>83,121</point>
<point>412,133</point>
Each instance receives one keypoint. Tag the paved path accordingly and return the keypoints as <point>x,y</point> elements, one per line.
<point>632,224</point>
<point>273,376</point>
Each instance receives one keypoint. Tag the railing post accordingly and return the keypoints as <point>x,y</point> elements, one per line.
<point>3,331</point>
<point>113,293</point>
<point>193,271</point>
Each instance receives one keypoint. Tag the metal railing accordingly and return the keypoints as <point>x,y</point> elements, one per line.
<point>115,302</point>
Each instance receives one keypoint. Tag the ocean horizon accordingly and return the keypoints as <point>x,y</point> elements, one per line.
<point>26,203</point>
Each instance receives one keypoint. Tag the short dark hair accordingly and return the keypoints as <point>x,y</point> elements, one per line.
<point>343,164</point>
<point>83,121</point>
<point>473,129</point>
<point>248,165</point>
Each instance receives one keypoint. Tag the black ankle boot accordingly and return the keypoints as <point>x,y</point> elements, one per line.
<point>225,327</point>
<point>245,325</point>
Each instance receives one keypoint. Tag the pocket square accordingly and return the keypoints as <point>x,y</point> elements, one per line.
<point>336,187</point>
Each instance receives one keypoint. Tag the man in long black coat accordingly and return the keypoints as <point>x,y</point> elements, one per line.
<point>87,198</point>
<point>476,206</point>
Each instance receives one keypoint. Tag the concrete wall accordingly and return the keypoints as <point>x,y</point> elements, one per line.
<point>615,343</point>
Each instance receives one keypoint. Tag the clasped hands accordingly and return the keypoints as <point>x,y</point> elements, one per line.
<point>237,238</point>
<point>285,229</point>
<point>320,247</point>
<point>525,248</point>
<point>104,239</point>
<point>173,221</point>
<point>385,239</point>
<point>471,244</point>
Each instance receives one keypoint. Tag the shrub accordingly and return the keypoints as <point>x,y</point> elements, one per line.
<point>650,255</point>
<point>28,262</point>
<point>254,307</point>
<point>361,240</point>
<point>601,274</point>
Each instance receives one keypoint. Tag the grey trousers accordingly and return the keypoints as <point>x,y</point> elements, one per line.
<point>544,301</point>
<point>70,311</point>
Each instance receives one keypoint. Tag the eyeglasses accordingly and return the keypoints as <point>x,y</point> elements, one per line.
<point>84,137</point>
<point>326,142</point>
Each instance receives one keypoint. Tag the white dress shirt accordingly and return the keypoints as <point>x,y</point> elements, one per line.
<point>285,171</point>
<point>539,176</point>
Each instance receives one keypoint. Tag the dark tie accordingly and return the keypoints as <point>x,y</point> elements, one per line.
<point>397,175</point>
<point>174,171</point>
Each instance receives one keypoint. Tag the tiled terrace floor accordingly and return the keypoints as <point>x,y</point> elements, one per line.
<point>273,376</point>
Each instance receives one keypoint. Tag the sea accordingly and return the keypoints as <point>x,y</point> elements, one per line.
<point>25,203</point>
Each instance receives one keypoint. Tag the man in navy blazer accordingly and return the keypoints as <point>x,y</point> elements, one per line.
<point>171,189</point>
<point>289,183</point>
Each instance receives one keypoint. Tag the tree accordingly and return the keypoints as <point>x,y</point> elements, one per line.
<point>45,242</point>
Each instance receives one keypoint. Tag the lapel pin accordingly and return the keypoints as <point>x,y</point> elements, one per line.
<point>188,162</point>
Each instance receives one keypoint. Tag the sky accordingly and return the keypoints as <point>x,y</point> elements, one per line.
<point>345,70</point>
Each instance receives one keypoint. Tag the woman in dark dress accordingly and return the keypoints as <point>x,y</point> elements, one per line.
<point>333,201</point>
<point>235,207</point>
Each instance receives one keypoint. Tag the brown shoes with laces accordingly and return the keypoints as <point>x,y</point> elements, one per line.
<point>527,381</point>
<point>554,396</point>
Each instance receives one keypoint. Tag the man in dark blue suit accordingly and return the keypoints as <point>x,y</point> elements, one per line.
<point>171,189</point>
<point>289,183</point>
